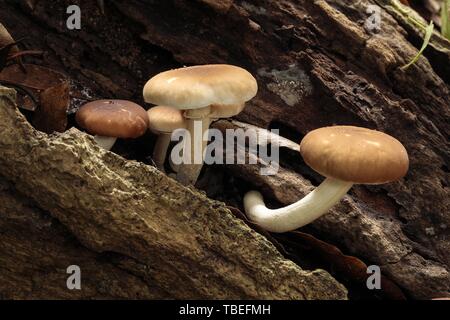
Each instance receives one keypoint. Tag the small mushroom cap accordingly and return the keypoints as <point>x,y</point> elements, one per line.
<point>113,118</point>
<point>355,154</point>
<point>163,119</point>
<point>226,110</point>
<point>200,86</point>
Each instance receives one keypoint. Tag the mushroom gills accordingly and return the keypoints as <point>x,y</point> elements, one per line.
<point>298,214</point>
<point>105,142</point>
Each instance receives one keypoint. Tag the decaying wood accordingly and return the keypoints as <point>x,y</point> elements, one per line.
<point>172,238</point>
<point>317,63</point>
<point>53,106</point>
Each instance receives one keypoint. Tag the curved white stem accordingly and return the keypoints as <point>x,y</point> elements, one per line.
<point>105,142</point>
<point>298,214</point>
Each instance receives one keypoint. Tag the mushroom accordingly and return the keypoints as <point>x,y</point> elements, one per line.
<point>112,119</point>
<point>163,121</point>
<point>195,89</point>
<point>345,155</point>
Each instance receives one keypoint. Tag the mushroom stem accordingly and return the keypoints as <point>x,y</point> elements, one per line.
<point>160,150</point>
<point>298,214</point>
<point>105,142</point>
<point>193,161</point>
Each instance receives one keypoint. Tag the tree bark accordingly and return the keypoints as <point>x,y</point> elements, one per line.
<point>366,229</point>
<point>317,63</point>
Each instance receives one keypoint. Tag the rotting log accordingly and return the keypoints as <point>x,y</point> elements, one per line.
<point>173,241</point>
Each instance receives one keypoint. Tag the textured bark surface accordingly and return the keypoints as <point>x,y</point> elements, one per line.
<point>176,242</point>
<point>316,64</point>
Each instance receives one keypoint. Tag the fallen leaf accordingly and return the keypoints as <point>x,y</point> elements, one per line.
<point>52,89</point>
<point>445,17</point>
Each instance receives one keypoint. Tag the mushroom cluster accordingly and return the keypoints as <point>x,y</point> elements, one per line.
<point>203,93</point>
<point>345,155</point>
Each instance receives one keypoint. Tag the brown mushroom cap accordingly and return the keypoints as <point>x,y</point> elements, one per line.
<point>165,119</point>
<point>113,118</point>
<point>226,110</point>
<point>200,86</point>
<point>355,154</point>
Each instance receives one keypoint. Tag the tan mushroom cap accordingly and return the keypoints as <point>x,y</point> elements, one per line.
<point>163,119</point>
<point>226,110</point>
<point>355,154</point>
<point>113,118</point>
<point>200,86</point>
